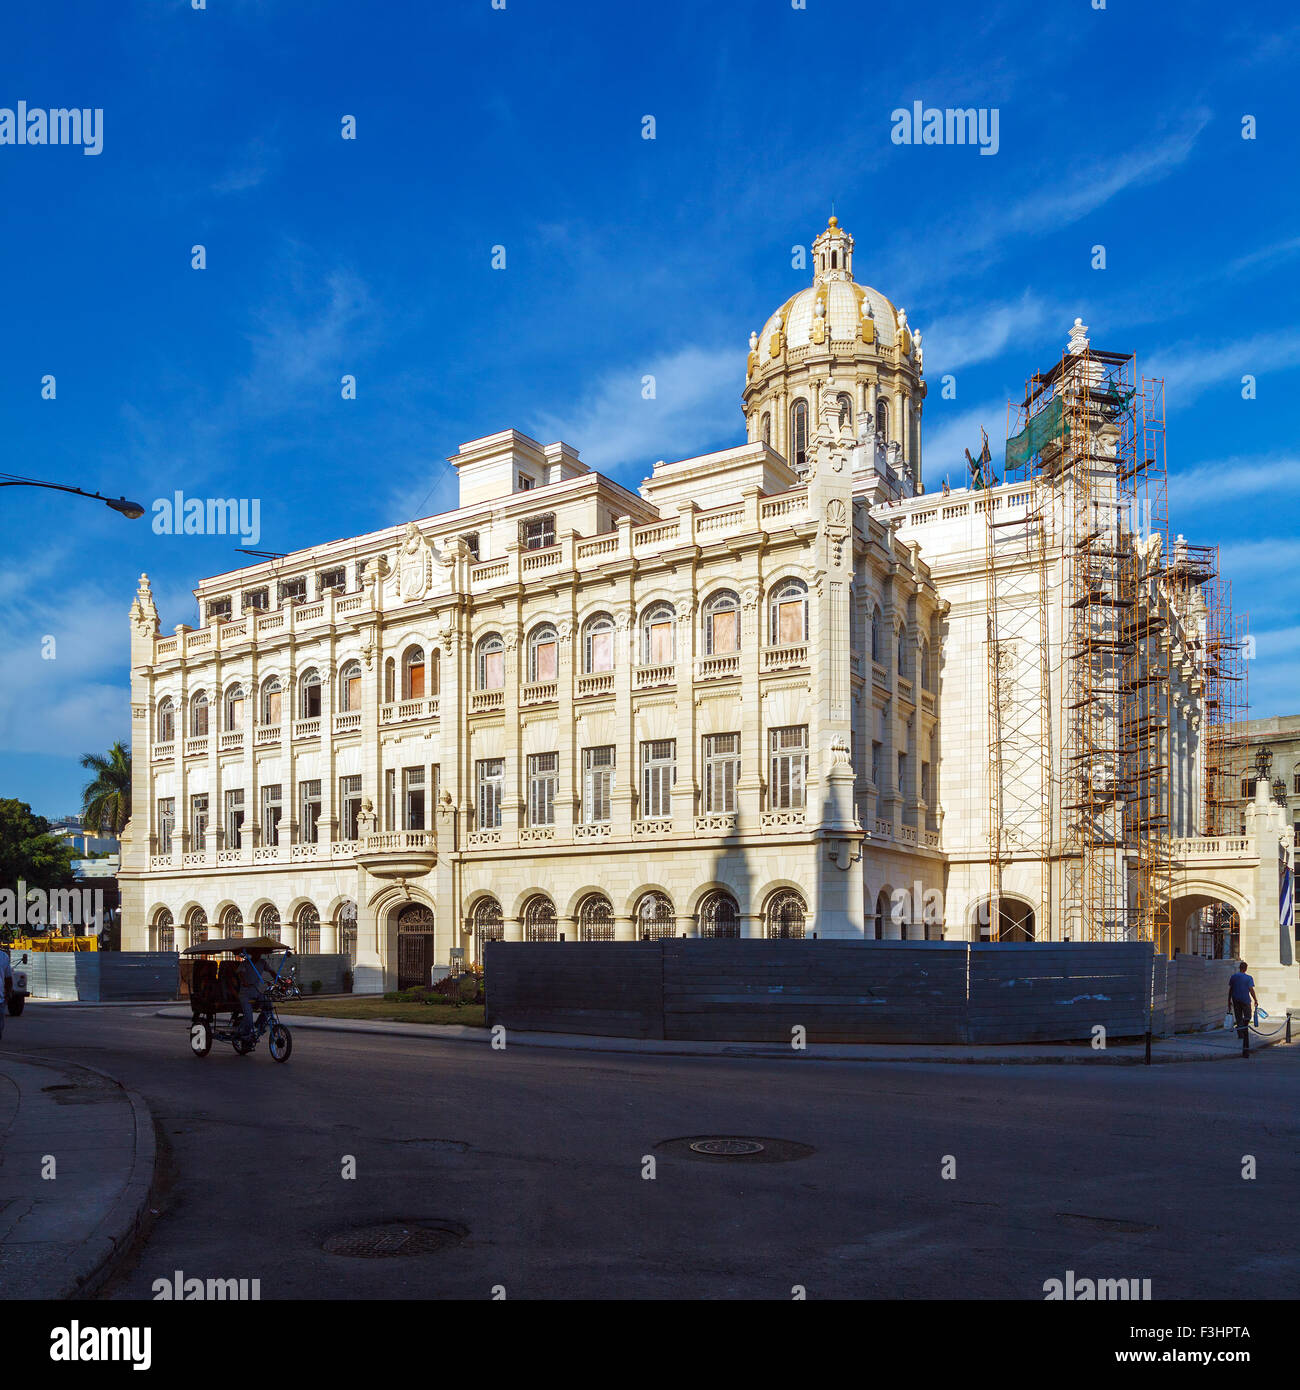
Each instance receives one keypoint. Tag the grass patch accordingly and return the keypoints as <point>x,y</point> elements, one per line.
<point>387,1011</point>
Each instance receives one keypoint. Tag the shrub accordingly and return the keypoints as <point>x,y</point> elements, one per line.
<point>316,986</point>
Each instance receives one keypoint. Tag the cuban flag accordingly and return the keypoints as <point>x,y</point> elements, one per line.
<point>1286,903</point>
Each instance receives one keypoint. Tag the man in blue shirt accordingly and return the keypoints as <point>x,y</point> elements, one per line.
<point>1242,999</point>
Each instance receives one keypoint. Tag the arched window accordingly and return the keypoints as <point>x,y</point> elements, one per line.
<point>488,925</point>
<point>598,644</point>
<point>491,662</point>
<point>413,673</point>
<point>925,666</point>
<point>902,651</point>
<point>539,919</point>
<point>718,915</point>
<point>235,707</point>
<point>164,930</point>
<point>877,634</point>
<point>722,623</point>
<point>882,418</point>
<point>199,714</point>
<point>272,700</point>
<point>786,911</point>
<point>197,925</point>
<point>881,918</point>
<point>595,918</point>
<point>166,725</point>
<point>308,924</point>
<point>390,681</point>
<point>654,917</point>
<point>789,613</point>
<point>799,435</point>
<point>657,635</point>
<point>846,408</point>
<point>309,694</point>
<point>350,687</point>
<point>1295,780</point>
<point>268,921</point>
<point>767,427</point>
<point>347,919</point>
<point>232,922</point>
<point>543,653</point>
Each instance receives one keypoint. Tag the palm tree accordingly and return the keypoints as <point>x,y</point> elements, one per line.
<point>106,801</point>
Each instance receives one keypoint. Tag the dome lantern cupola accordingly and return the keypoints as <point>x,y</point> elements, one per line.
<point>833,254</point>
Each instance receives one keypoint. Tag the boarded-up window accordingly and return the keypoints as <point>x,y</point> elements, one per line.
<point>661,643</point>
<point>546,661</point>
<point>273,706</point>
<point>494,670</point>
<point>789,621</point>
<point>600,649</point>
<point>726,632</point>
<point>353,690</point>
<point>415,680</point>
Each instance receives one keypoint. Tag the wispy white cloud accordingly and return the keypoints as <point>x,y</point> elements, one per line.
<point>694,409</point>
<point>1193,367</point>
<point>981,333</point>
<point>249,167</point>
<point>1216,484</point>
<point>947,436</point>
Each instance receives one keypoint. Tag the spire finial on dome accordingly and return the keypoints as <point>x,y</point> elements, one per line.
<point>1079,336</point>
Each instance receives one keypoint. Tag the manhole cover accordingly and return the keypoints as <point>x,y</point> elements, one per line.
<point>394,1239</point>
<point>727,1148</point>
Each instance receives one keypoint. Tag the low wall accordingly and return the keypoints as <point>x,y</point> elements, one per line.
<point>839,991</point>
<point>1200,993</point>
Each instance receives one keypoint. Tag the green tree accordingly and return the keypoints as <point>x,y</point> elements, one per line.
<point>106,800</point>
<point>28,852</point>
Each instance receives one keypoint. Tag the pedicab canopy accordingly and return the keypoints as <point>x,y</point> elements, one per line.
<point>234,943</point>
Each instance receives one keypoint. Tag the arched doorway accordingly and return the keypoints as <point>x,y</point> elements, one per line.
<point>414,946</point>
<point>719,915</point>
<point>347,917</point>
<point>654,918</point>
<point>539,919</point>
<point>197,924</point>
<point>1014,920</point>
<point>595,918</point>
<point>1204,924</point>
<point>164,931</point>
<point>488,925</point>
<point>786,911</point>
<point>308,930</point>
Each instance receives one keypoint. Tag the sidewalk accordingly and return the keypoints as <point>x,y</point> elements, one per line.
<point>1188,1047</point>
<point>60,1235</point>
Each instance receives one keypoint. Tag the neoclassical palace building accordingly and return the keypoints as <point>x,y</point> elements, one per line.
<point>750,699</point>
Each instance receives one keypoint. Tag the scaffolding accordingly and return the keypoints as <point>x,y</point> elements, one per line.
<point>1227,704</point>
<point>1019,713</point>
<point>1096,463</point>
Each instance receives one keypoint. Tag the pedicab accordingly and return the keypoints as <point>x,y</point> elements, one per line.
<point>214,989</point>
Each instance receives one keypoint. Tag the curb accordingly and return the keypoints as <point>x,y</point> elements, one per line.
<point>116,1233</point>
<point>635,1047</point>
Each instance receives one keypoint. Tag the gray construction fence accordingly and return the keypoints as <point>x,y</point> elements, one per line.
<point>850,991</point>
<point>107,977</point>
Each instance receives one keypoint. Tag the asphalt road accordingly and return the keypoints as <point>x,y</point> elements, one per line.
<point>538,1157</point>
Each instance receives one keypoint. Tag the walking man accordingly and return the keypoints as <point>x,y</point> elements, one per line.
<point>1242,999</point>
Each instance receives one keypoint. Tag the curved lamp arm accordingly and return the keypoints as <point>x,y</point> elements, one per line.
<point>133,511</point>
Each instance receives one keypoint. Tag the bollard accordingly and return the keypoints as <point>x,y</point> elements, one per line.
<point>1288,1025</point>
<point>1148,1058</point>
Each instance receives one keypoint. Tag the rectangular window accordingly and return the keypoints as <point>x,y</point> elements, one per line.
<point>543,777</point>
<point>352,691</point>
<point>235,713</point>
<point>292,588</point>
<point>925,783</point>
<point>525,483</point>
<point>789,774</point>
<point>336,579</point>
<point>539,532</point>
<point>721,771</point>
<point>309,812</point>
<point>875,762</point>
<point>412,798</point>
<point>218,608</point>
<point>494,670</point>
<point>390,799</point>
<point>902,774</point>
<point>414,681</point>
<point>1248,786</point>
<point>546,661</point>
<point>658,773</point>
<point>661,642</point>
<point>258,599</point>
<point>234,819</point>
<point>725,632</point>
<point>199,820</point>
<point>166,823</point>
<point>789,621</point>
<point>490,782</point>
<point>471,544</point>
<point>349,805</point>
<point>272,810</point>
<point>597,783</point>
<point>600,650</point>
<point>274,704</point>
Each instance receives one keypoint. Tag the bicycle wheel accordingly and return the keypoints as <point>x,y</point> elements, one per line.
<point>281,1042</point>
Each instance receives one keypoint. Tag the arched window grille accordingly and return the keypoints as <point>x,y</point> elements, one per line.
<point>595,918</point>
<point>598,644</point>
<point>658,635</point>
<point>197,925</point>
<point>308,924</point>
<point>268,920</point>
<point>786,912</point>
<point>539,919</point>
<point>164,930</point>
<point>488,924</point>
<point>722,624</point>
<point>232,922</point>
<point>789,613</point>
<point>654,917</point>
<point>543,653</point>
<point>718,915</point>
<point>347,916</point>
<point>799,435</point>
<point>491,662</point>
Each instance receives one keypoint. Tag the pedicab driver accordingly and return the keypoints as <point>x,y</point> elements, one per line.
<point>254,979</point>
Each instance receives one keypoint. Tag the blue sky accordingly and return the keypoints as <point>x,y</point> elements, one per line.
<point>522,127</point>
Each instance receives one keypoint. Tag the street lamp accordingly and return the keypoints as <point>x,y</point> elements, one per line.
<point>133,511</point>
<point>1279,790</point>
<point>1263,760</point>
